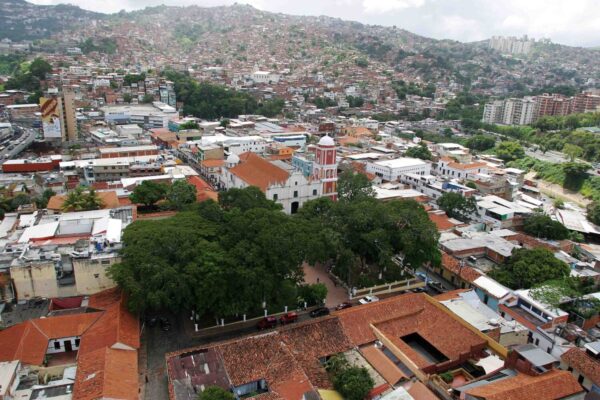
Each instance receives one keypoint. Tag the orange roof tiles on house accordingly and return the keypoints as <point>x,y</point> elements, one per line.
<point>109,200</point>
<point>116,328</point>
<point>420,392</point>
<point>256,171</point>
<point>23,342</point>
<point>580,361</point>
<point>107,374</point>
<point>453,265</point>
<point>552,385</point>
<point>441,220</point>
<point>265,357</point>
<point>28,341</point>
<point>301,340</point>
<point>452,294</point>
<point>203,190</point>
<point>382,364</point>
<point>406,314</point>
<point>475,165</point>
<point>346,140</point>
<point>212,163</point>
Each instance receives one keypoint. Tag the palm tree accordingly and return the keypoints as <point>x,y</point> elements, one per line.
<point>81,200</point>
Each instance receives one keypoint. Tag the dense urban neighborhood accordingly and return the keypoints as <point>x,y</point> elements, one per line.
<point>220,203</point>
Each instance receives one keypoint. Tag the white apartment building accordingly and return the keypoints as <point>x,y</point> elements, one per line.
<point>264,77</point>
<point>391,170</point>
<point>234,144</point>
<point>493,112</point>
<point>511,111</point>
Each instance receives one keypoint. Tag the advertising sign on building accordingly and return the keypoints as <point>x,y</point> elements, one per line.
<point>50,117</point>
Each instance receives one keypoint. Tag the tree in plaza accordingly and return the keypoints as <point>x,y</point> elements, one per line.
<point>148,193</point>
<point>509,151</point>
<point>542,226</point>
<point>215,393</point>
<point>246,199</point>
<point>353,186</point>
<point>314,294</point>
<point>527,268</point>
<point>172,264</point>
<point>362,235</point>
<point>268,246</point>
<point>420,151</point>
<point>457,206</point>
<point>181,194</point>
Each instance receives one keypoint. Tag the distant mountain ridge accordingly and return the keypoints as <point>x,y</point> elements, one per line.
<point>22,20</point>
<point>242,35</point>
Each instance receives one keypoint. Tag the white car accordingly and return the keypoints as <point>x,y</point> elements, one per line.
<point>368,299</point>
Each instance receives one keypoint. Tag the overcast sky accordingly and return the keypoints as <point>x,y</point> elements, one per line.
<point>572,22</point>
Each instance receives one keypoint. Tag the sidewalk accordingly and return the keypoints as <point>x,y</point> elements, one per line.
<point>318,274</point>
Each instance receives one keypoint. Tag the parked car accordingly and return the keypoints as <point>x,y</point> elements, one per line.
<point>288,318</point>
<point>421,276</point>
<point>165,324</point>
<point>343,306</point>
<point>368,299</point>
<point>319,312</point>
<point>267,323</point>
<point>419,290</point>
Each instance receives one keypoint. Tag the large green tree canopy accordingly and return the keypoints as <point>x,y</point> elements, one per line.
<point>229,258</point>
<point>527,268</point>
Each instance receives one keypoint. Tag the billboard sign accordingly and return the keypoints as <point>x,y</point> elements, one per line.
<point>51,118</point>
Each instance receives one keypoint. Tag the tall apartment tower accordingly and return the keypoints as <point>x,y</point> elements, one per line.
<point>59,120</point>
<point>69,113</point>
<point>493,112</point>
<point>325,166</point>
<point>512,111</point>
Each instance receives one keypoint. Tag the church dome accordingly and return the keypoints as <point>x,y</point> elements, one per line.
<point>233,159</point>
<point>326,141</point>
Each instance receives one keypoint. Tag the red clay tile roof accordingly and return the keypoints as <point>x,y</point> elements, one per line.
<point>452,294</point>
<point>28,341</point>
<point>583,363</point>
<point>256,171</point>
<point>23,342</point>
<point>474,165</point>
<point>551,385</point>
<point>265,357</point>
<point>301,339</point>
<point>441,220</point>
<point>203,190</point>
<point>382,364</point>
<point>107,374</point>
<point>116,328</point>
<point>212,163</point>
<point>104,369</point>
<point>406,314</point>
<point>453,265</point>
